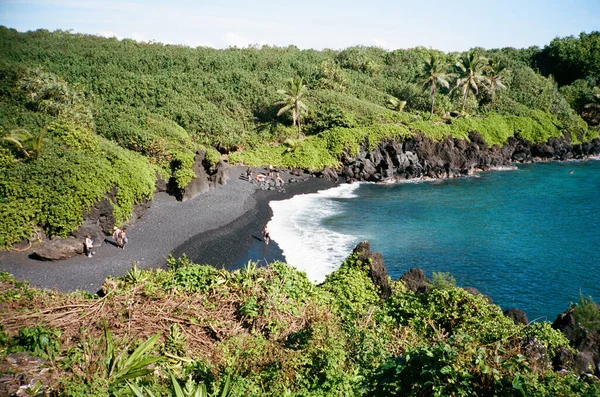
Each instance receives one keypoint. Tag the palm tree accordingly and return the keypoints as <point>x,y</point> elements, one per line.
<point>25,141</point>
<point>471,67</point>
<point>292,101</point>
<point>495,72</point>
<point>433,76</point>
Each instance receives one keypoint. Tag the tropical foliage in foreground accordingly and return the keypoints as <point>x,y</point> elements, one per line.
<point>269,331</point>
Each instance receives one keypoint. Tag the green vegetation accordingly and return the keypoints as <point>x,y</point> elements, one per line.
<point>196,331</point>
<point>83,118</point>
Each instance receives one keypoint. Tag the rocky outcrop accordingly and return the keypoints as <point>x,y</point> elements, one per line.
<point>207,177</point>
<point>414,280</point>
<point>585,341</point>
<point>517,315</point>
<point>419,156</point>
<point>377,270</point>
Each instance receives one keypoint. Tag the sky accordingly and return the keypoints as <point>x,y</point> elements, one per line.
<point>450,25</point>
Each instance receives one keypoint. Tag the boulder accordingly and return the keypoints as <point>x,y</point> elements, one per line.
<point>563,359</point>
<point>101,213</point>
<point>57,249</point>
<point>517,315</point>
<point>160,185</point>
<point>377,270</point>
<point>89,229</point>
<point>415,281</point>
<point>198,185</point>
<point>584,363</point>
<point>221,175</point>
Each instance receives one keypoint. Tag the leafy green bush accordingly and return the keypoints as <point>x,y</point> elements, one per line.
<point>352,288</point>
<point>40,340</point>
<point>587,313</point>
<point>443,280</point>
<point>549,337</point>
<point>195,278</point>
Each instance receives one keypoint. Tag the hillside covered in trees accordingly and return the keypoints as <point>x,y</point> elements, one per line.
<point>84,117</point>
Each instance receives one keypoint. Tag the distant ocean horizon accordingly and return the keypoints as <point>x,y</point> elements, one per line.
<point>528,237</point>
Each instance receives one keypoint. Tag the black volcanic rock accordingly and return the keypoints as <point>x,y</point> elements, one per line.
<point>517,315</point>
<point>586,341</point>
<point>377,270</point>
<point>415,281</point>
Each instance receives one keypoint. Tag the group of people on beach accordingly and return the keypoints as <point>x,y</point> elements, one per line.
<point>119,237</point>
<point>272,177</point>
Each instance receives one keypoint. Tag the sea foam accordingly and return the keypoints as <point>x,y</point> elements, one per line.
<point>297,227</point>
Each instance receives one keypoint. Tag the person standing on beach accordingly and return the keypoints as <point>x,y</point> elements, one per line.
<point>266,235</point>
<point>88,246</point>
<point>115,236</point>
<point>123,239</point>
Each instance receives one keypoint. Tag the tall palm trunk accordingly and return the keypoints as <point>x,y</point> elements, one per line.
<point>433,86</point>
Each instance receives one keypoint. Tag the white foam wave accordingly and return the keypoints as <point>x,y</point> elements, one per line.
<point>505,168</point>
<point>297,227</point>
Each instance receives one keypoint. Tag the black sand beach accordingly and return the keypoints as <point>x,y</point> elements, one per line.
<point>217,228</point>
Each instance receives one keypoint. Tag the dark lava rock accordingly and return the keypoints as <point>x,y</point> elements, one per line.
<point>563,359</point>
<point>517,315</point>
<point>57,249</point>
<point>377,270</point>
<point>198,185</point>
<point>415,281</point>
<point>586,341</point>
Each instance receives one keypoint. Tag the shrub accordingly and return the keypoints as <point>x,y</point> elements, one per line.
<point>587,313</point>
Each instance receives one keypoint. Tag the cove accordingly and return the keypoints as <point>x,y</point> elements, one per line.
<point>528,237</point>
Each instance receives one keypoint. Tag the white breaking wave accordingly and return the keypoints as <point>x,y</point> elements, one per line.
<point>297,227</point>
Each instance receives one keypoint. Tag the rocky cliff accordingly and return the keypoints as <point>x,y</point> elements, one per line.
<point>420,156</point>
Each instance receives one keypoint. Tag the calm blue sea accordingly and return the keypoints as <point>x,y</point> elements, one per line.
<point>528,237</point>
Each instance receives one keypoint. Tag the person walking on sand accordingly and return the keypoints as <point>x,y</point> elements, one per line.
<point>88,246</point>
<point>266,235</point>
<point>115,236</point>
<point>123,239</point>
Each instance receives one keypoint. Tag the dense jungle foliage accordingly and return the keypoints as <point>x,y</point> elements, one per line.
<point>85,117</point>
<point>270,331</point>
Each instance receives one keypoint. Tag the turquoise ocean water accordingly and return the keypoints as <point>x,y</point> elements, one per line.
<point>528,237</point>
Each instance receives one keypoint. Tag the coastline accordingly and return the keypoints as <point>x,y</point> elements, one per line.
<point>216,228</point>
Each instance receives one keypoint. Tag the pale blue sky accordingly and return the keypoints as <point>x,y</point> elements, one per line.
<point>450,25</point>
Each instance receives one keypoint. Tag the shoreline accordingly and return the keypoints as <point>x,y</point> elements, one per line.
<point>222,228</point>
<point>216,228</point>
